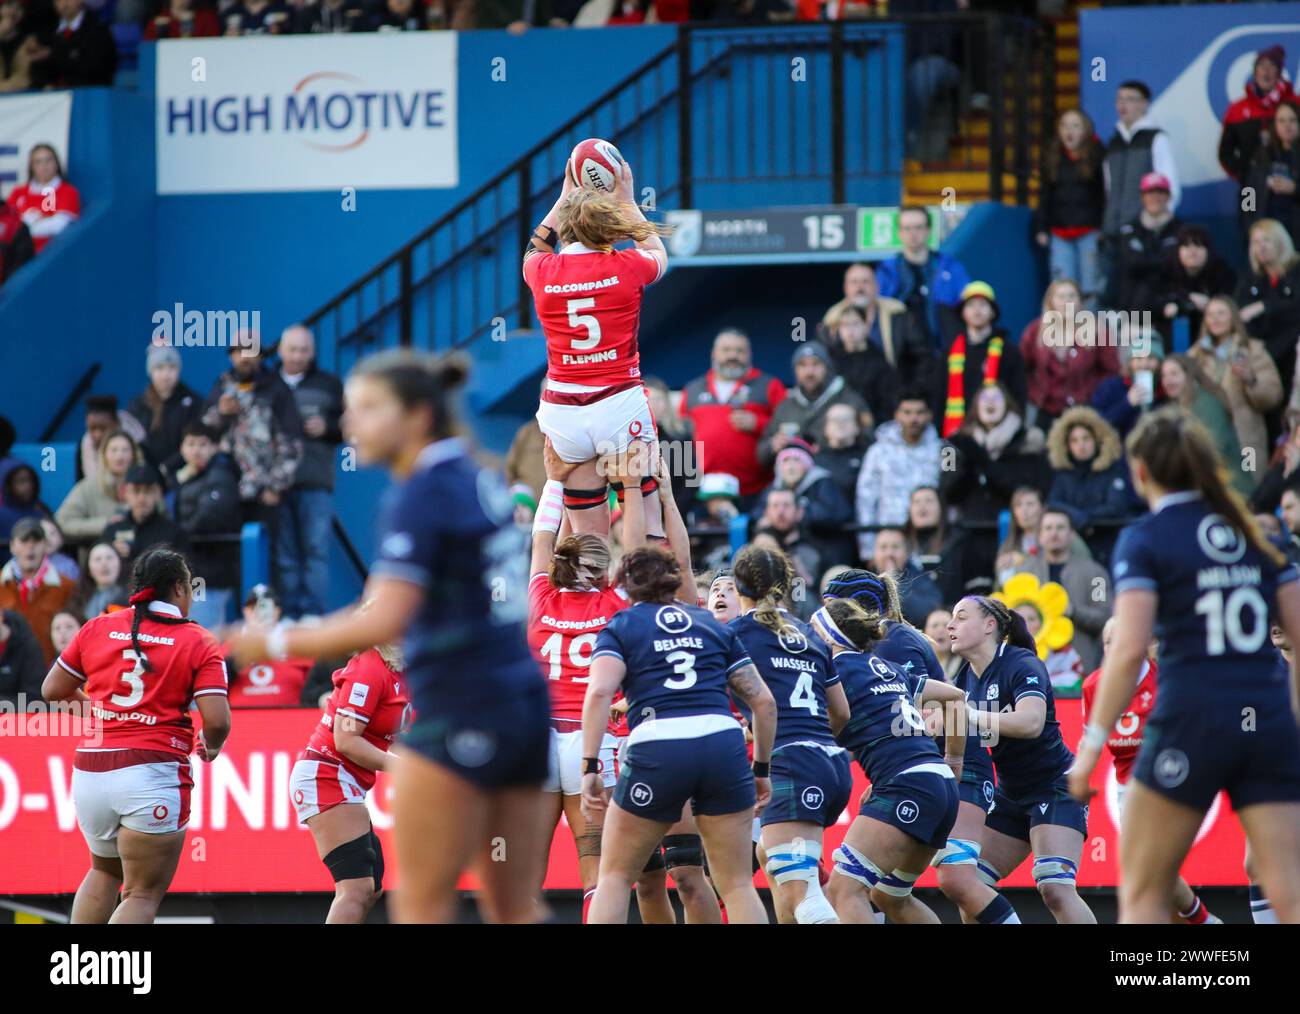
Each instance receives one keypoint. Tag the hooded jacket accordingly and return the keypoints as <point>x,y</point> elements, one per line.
<point>264,438</point>
<point>890,471</point>
<point>1092,489</point>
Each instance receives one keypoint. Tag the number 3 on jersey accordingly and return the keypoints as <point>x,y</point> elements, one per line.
<point>132,678</point>
<point>577,320</point>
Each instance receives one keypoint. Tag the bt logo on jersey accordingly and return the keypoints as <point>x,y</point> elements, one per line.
<point>641,794</point>
<point>907,811</point>
<point>813,797</point>
<point>672,620</point>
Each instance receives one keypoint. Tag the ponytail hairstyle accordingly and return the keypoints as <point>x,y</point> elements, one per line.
<point>158,570</point>
<point>764,576</point>
<point>1179,455</point>
<point>599,220</point>
<point>848,620</point>
<point>418,379</point>
<point>580,563</point>
<point>650,574</point>
<point>1011,627</point>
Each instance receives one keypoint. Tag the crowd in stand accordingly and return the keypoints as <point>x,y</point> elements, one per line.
<point>920,434</point>
<point>175,467</point>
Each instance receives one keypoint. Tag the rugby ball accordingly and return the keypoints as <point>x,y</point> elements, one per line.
<point>595,164</point>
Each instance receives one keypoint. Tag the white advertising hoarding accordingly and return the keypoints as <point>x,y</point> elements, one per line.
<point>26,121</point>
<point>320,112</point>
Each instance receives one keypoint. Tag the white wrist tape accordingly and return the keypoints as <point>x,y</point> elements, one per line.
<point>1094,736</point>
<point>550,508</point>
<point>277,644</point>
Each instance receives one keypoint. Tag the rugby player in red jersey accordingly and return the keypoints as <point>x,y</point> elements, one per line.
<point>139,669</point>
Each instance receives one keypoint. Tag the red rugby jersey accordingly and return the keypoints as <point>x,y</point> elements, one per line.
<point>589,305</point>
<point>135,708</point>
<point>365,690</point>
<point>1126,738</point>
<point>562,629</point>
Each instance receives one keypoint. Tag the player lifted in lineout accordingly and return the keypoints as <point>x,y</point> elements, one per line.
<point>588,300</point>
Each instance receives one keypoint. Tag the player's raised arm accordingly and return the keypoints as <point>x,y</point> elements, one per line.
<point>545,239</point>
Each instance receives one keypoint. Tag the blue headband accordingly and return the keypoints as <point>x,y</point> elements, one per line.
<point>825,625</point>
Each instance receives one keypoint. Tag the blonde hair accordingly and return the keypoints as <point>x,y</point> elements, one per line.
<point>1238,332</point>
<point>1058,283</point>
<point>599,220</point>
<point>109,484</point>
<point>580,562</point>
<point>1281,239</point>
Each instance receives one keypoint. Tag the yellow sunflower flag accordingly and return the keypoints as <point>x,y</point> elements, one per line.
<point>1050,601</point>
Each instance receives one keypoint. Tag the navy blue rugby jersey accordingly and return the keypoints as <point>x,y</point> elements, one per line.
<point>449,529</point>
<point>907,648</point>
<point>678,660</point>
<point>886,732</point>
<point>1215,596</point>
<point>1024,766</point>
<point>796,667</point>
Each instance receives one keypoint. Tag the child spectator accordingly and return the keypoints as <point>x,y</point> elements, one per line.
<point>1091,477</point>
<point>102,583</point>
<point>980,355</point>
<point>145,523</point>
<point>841,448</point>
<point>1071,200</point>
<point>65,564</point>
<point>207,503</point>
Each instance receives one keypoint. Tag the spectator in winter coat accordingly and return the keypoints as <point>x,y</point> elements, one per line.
<point>841,448</point>
<point>936,548</point>
<point>825,510</point>
<point>904,456</point>
<point>1147,243</point>
<point>874,341</point>
<point>918,592</point>
<point>1243,369</point>
<point>1269,295</point>
<point>145,523</point>
<point>816,389</point>
<point>993,455</point>
<point>22,663</point>
<point>1246,123</point>
<point>1282,473</point>
<point>261,432</point>
<point>1085,580</point>
<point>164,409</point>
<point>980,355</point>
<point>1190,278</point>
<point>928,282</point>
<point>1071,200</point>
<point>1027,506</point>
<point>31,585</point>
<point>1063,363</point>
<point>1122,399</point>
<point>729,407</point>
<point>97,499</point>
<point>1274,173</point>
<point>1091,477</point>
<point>307,509</point>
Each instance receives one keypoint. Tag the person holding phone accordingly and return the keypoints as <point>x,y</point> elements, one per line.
<point>1123,398</point>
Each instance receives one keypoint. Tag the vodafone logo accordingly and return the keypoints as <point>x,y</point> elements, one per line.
<point>160,812</point>
<point>635,429</point>
<point>298,797</point>
<point>260,675</point>
<point>1128,723</point>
